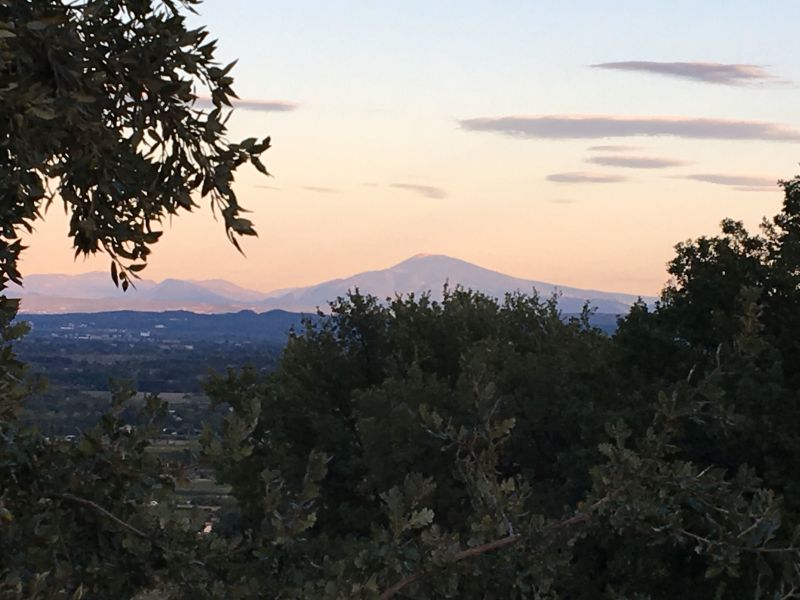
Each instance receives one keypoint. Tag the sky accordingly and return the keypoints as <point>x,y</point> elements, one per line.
<point>574,142</point>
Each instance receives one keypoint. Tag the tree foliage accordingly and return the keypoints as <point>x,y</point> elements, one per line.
<point>545,462</point>
<point>98,105</point>
<point>734,298</point>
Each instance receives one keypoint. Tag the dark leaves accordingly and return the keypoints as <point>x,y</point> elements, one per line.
<point>100,97</point>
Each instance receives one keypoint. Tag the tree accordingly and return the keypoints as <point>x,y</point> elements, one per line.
<point>467,444</point>
<point>352,386</point>
<point>734,298</point>
<point>98,111</point>
<point>445,478</point>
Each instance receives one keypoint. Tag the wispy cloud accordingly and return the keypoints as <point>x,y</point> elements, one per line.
<point>741,183</point>
<point>611,148</point>
<point>320,190</point>
<point>636,162</point>
<point>562,201</point>
<point>426,190</point>
<point>600,126</point>
<point>253,104</point>
<point>584,177</point>
<point>748,188</point>
<point>707,72</point>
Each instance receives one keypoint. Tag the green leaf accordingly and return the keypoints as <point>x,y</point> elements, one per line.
<point>48,114</point>
<point>84,98</point>
<point>420,518</point>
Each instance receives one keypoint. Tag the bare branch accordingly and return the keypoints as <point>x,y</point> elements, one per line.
<point>496,545</point>
<point>103,511</point>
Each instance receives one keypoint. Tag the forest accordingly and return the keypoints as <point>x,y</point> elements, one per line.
<point>473,447</point>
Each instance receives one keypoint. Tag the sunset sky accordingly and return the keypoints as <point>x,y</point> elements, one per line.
<point>571,142</point>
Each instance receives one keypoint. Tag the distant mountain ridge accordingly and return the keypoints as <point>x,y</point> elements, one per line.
<point>93,292</point>
<point>424,272</point>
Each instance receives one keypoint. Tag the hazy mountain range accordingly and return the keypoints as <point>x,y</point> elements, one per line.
<point>94,292</point>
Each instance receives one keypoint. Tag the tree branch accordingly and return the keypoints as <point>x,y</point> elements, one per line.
<point>495,545</point>
<point>103,511</point>
<point>464,554</point>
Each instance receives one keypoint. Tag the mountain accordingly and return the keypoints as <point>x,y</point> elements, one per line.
<point>176,290</point>
<point>94,292</point>
<point>229,290</point>
<point>94,285</point>
<point>426,272</point>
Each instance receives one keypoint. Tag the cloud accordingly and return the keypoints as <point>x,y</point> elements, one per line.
<point>562,201</point>
<point>583,177</point>
<point>426,190</point>
<point>614,148</point>
<point>746,188</point>
<point>635,162</point>
<point>707,72</point>
<point>320,190</point>
<point>257,105</point>
<point>601,126</point>
<point>741,183</point>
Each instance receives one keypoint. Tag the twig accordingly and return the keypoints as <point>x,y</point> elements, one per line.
<point>390,593</point>
<point>464,554</point>
<point>581,517</point>
<point>757,550</point>
<point>103,511</point>
<point>790,594</point>
<point>495,545</point>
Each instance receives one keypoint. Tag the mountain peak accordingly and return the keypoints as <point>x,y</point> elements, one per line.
<point>427,273</point>
<point>428,258</point>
